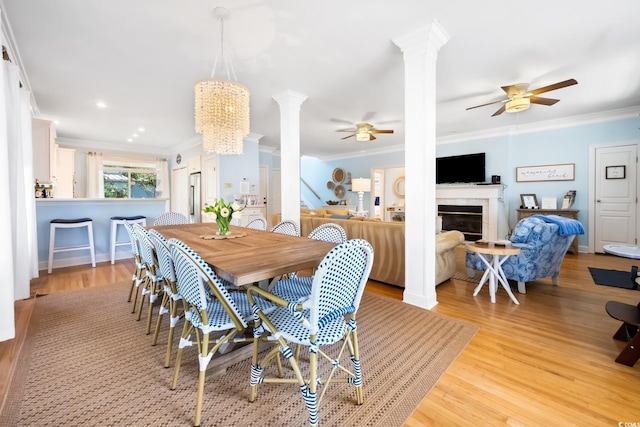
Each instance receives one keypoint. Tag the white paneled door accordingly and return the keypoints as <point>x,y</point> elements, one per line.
<point>180,191</point>
<point>615,196</point>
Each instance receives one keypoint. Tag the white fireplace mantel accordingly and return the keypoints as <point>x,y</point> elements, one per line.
<point>490,197</point>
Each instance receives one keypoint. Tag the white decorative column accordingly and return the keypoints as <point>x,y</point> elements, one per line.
<point>420,51</point>
<point>290,102</point>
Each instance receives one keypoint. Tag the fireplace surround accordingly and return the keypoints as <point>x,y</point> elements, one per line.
<point>490,199</point>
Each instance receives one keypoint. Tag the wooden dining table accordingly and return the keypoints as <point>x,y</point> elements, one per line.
<point>256,256</point>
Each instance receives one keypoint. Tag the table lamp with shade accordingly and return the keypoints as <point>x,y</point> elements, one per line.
<point>360,185</point>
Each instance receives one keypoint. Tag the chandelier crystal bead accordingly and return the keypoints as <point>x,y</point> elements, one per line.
<point>222,106</point>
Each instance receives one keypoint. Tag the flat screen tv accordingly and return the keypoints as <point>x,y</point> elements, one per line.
<point>460,169</point>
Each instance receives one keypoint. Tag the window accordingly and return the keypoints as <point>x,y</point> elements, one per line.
<point>129,179</point>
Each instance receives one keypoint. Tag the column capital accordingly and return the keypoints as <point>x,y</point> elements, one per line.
<point>289,97</point>
<point>426,39</point>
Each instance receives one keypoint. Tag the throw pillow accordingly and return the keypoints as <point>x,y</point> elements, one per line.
<point>336,216</point>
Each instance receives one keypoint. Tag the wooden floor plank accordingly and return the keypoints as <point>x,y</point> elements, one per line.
<point>548,361</point>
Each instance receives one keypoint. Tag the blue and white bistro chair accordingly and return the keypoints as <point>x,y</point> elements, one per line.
<point>326,318</point>
<point>154,286</point>
<point>139,274</point>
<point>171,297</point>
<point>329,232</point>
<point>211,307</point>
<point>297,288</point>
<point>171,218</point>
<point>258,224</point>
<point>287,227</point>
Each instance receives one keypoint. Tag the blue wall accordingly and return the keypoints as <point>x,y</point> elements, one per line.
<point>503,155</point>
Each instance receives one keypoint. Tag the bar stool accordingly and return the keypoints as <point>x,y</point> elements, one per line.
<point>70,223</point>
<point>119,220</point>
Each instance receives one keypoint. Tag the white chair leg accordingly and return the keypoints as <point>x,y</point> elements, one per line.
<point>554,280</point>
<point>91,247</point>
<point>112,242</point>
<point>52,239</point>
<point>521,288</point>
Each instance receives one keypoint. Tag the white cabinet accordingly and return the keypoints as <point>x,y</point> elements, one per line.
<point>65,166</point>
<point>44,150</point>
<point>194,164</point>
<point>250,213</point>
<point>395,213</point>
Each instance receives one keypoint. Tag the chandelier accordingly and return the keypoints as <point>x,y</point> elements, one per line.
<point>222,105</point>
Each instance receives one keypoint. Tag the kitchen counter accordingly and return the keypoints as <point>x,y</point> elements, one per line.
<point>100,210</point>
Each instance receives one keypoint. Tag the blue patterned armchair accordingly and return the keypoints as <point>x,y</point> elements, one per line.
<point>543,241</point>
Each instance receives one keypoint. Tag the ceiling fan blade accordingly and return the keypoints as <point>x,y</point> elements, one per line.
<point>488,103</point>
<point>554,86</point>
<point>381,131</point>
<point>500,111</point>
<point>543,101</point>
<point>371,137</point>
<point>368,116</point>
<point>349,136</point>
<point>340,121</point>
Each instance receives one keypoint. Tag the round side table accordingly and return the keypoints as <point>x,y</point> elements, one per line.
<point>493,256</point>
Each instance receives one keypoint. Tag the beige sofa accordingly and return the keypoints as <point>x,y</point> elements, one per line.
<point>387,239</point>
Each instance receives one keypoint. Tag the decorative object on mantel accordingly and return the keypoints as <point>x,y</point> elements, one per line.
<point>529,201</point>
<point>333,202</point>
<point>561,172</point>
<point>222,105</point>
<point>223,213</point>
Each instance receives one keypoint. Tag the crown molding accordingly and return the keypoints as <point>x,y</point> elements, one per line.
<point>113,147</point>
<point>362,153</point>
<point>607,116</point>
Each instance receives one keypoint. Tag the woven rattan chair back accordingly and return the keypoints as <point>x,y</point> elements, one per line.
<point>287,227</point>
<point>329,232</point>
<point>194,275</point>
<point>171,296</point>
<point>340,281</point>
<point>133,238</point>
<point>154,285</point>
<point>258,224</point>
<point>163,255</point>
<point>139,275</point>
<point>170,218</point>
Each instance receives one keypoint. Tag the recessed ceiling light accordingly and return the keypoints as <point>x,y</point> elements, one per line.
<point>141,129</point>
<point>129,140</point>
<point>135,135</point>
<point>57,122</point>
<point>101,104</point>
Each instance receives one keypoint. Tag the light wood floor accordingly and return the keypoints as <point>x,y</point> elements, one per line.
<point>547,362</point>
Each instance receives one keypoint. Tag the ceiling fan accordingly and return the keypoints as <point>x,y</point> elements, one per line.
<point>520,98</point>
<point>364,132</point>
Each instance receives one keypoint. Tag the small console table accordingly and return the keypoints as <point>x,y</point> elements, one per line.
<point>567,213</point>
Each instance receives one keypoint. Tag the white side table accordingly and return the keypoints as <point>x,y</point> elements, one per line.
<point>493,257</point>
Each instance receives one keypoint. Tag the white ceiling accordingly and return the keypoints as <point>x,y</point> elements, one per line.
<point>142,58</point>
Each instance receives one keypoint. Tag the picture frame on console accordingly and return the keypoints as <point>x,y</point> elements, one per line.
<point>529,201</point>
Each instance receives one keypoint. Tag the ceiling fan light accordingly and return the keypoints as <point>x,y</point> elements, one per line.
<point>516,105</point>
<point>363,136</point>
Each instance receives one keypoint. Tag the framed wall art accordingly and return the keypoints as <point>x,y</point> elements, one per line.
<point>561,172</point>
<point>615,172</point>
<point>529,201</point>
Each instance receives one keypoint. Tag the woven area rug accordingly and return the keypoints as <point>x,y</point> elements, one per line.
<point>86,361</point>
<point>459,275</point>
